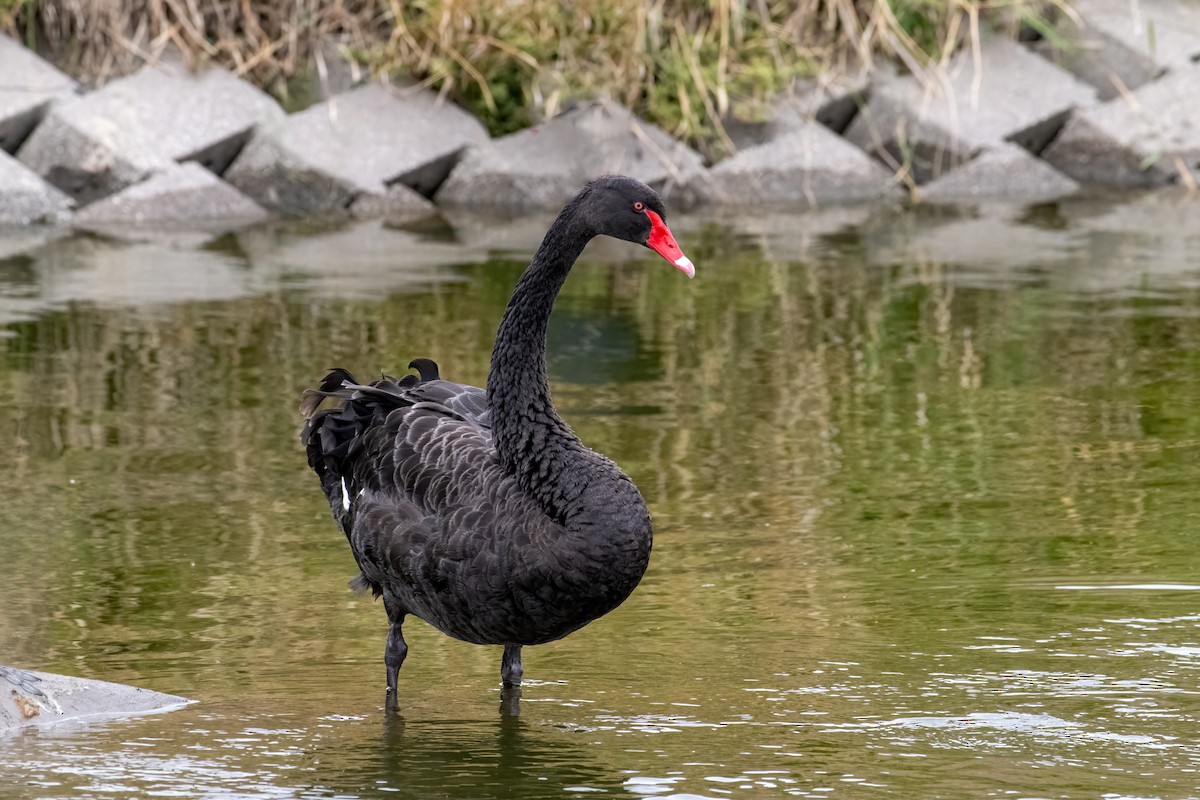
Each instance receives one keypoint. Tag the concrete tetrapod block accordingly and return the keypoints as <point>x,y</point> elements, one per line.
<point>398,202</point>
<point>28,85</point>
<point>182,195</point>
<point>98,144</point>
<point>832,99</point>
<point>1001,172</point>
<point>24,197</point>
<point>365,142</point>
<point>1147,139</point>
<point>1120,45</point>
<point>935,125</point>
<point>541,168</point>
<point>810,166</point>
<point>41,698</point>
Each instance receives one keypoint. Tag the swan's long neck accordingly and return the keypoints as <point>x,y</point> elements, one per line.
<point>532,440</point>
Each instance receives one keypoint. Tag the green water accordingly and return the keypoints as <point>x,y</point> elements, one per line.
<point>925,487</point>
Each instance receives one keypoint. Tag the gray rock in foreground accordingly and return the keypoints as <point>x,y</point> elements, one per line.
<point>1148,140</point>
<point>182,195</point>
<point>41,698</point>
<point>98,144</point>
<point>24,197</point>
<point>1002,172</point>
<point>1122,44</point>
<point>28,85</point>
<point>542,167</point>
<point>1015,96</point>
<point>366,142</point>
<point>810,166</point>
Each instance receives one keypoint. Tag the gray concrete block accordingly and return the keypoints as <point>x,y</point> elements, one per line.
<point>90,159</point>
<point>1001,172</point>
<point>542,167</point>
<point>28,85</point>
<point>41,698</point>
<point>358,143</point>
<point>1118,45</point>
<point>181,195</point>
<point>833,102</point>
<point>934,126</point>
<point>1147,139</point>
<point>98,144</point>
<point>398,202</point>
<point>832,99</point>
<point>24,197</point>
<point>810,166</point>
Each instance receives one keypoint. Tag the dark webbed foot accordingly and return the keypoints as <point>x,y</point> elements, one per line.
<point>510,665</point>
<point>393,658</point>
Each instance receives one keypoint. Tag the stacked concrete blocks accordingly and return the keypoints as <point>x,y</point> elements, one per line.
<point>378,148</point>
<point>540,168</point>
<point>1003,120</point>
<point>100,143</point>
<point>1149,138</point>
<point>929,126</point>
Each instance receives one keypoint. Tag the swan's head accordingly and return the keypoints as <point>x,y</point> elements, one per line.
<point>628,209</point>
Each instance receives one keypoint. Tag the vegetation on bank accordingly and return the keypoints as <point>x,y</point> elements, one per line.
<point>683,64</point>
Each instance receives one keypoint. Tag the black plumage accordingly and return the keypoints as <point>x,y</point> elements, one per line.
<point>480,511</point>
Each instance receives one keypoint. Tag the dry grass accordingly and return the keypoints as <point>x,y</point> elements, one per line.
<point>684,64</point>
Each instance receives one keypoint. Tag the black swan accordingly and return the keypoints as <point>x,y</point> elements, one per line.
<point>481,512</point>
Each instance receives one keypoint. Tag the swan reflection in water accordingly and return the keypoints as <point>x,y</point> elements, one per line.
<point>503,756</point>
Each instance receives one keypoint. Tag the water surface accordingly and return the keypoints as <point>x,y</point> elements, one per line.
<point>924,484</point>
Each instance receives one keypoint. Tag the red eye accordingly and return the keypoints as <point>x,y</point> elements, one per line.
<point>638,206</point>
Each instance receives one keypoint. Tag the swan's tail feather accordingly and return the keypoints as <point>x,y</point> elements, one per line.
<point>360,586</point>
<point>427,368</point>
<point>333,436</point>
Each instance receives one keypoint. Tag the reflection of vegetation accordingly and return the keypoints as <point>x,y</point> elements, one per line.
<point>820,435</point>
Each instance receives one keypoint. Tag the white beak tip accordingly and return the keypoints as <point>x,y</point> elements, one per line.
<point>685,264</point>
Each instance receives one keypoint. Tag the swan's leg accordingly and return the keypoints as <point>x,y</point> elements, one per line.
<point>510,674</point>
<point>393,656</point>
<point>510,665</point>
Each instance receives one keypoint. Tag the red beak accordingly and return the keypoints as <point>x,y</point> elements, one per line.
<point>662,241</point>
